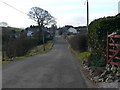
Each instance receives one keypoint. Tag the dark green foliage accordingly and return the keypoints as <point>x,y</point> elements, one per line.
<point>23,45</point>
<point>97,36</point>
<point>19,47</point>
<point>97,60</point>
<point>79,42</point>
<point>14,47</point>
<point>17,43</point>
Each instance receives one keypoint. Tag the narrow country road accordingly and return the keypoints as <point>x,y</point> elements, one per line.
<point>56,69</point>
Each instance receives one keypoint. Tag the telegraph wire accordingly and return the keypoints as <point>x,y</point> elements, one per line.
<point>13,7</point>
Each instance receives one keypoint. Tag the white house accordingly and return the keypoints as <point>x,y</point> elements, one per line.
<point>29,33</point>
<point>72,31</point>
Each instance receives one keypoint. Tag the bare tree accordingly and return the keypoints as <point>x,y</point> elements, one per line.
<point>42,17</point>
<point>3,24</point>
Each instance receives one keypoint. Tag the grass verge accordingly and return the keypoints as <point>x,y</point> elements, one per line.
<point>35,51</point>
<point>82,56</point>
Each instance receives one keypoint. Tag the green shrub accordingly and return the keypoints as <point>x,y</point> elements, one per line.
<point>97,37</point>
<point>96,60</point>
<point>79,42</point>
<point>84,55</point>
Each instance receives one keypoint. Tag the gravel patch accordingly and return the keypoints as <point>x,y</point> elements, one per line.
<point>114,84</point>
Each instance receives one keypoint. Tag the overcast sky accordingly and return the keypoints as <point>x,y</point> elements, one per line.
<point>66,12</point>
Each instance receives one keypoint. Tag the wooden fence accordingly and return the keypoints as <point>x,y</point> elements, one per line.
<point>113,49</point>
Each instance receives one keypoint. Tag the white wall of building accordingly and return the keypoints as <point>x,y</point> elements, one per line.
<point>119,7</point>
<point>72,30</point>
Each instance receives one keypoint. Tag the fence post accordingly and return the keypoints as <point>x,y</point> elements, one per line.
<point>107,48</point>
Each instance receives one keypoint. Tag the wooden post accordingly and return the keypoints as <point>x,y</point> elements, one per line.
<point>107,48</point>
<point>87,14</point>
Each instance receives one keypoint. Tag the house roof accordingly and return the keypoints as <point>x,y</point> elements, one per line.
<point>73,30</point>
<point>118,15</point>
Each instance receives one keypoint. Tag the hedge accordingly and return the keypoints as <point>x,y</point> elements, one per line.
<point>97,37</point>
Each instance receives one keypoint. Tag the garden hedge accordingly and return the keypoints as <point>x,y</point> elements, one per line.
<point>97,33</point>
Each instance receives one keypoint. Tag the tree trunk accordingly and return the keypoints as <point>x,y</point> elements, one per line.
<point>41,31</point>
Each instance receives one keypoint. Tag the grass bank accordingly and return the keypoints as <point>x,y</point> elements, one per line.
<point>78,45</point>
<point>82,56</point>
<point>34,51</point>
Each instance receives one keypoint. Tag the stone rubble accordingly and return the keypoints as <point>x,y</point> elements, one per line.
<point>111,75</point>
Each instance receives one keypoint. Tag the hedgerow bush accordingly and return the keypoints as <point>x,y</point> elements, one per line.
<point>79,42</point>
<point>97,35</point>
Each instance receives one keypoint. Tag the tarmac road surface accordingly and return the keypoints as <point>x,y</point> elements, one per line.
<point>55,69</point>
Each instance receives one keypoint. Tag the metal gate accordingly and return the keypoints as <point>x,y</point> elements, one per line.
<point>113,49</point>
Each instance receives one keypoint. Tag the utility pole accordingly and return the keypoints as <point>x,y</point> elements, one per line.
<point>88,21</point>
<point>43,36</point>
<point>87,14</point>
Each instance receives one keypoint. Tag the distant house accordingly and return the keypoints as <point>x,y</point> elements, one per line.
<point>118,15</point>
<point>81,29</point>
<point>68,29</point>
<point>33,32</point>
<point>30,33</point>
<point>72,31</point>
<point>48,35</point>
